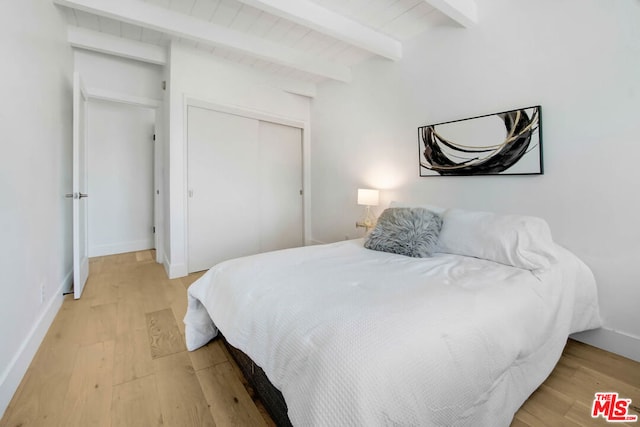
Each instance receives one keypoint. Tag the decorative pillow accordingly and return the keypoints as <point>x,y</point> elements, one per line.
<point>433,208</point>
<point>520,241</point>
<point>406,231</point>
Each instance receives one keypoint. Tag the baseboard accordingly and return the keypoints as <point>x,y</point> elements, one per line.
<point>614,341</point>
<point>167,265</point>
<point>67,283</point>
<point>12,375</point>
<point>159,254</point>
<point>120,248</point>
<point>174,270</point>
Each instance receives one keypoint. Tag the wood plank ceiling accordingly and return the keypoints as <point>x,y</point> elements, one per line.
<point>305,40</point>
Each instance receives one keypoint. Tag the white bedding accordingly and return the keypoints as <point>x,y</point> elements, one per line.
<point>356,337</point>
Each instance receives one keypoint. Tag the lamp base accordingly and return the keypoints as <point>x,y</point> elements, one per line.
<point>368,225</point>
<point>369,221</point>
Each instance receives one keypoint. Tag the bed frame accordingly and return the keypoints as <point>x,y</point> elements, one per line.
<point>270,396</point>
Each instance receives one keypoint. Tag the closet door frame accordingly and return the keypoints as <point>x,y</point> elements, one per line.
<point>192,101</point>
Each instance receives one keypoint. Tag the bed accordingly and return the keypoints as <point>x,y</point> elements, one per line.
<point>355,336</point>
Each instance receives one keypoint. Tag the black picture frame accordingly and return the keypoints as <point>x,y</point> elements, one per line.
<point>505,143</point>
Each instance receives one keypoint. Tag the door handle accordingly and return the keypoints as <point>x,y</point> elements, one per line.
<point>75,195</point>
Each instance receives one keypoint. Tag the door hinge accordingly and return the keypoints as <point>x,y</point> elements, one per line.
<point>154,136</point>
<point>154,229</point>
<point>164,85</point>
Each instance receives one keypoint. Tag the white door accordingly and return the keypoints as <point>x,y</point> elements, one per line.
<point>280,179</point>
<point>244,187</point>
<point>157,182</point>
<point>80,246</point>
<point>223,211</point>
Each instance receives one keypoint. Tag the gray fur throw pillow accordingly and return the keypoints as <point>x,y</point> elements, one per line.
<point>406,231</point>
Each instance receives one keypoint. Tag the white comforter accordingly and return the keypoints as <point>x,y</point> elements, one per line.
<point>363,338</point>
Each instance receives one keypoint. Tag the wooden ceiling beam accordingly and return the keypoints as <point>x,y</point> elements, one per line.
<point>118,46</point>
<point>325,21</point>
<point>464,12</point>
<point>180,25</point>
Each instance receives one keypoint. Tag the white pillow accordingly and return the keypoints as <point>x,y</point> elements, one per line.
<point>521,241</point>
<point>433,208</point>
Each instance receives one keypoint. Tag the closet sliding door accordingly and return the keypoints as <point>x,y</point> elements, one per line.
<point>244,187</point>
<point>280,179</point>
<point>222,189</point>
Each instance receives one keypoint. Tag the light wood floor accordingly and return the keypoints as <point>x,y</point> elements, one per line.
<point>116,357</point>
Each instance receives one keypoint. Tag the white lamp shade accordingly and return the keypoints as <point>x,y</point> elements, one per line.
<point>368,197</point>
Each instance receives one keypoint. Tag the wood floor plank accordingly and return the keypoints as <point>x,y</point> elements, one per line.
<point>40,396</point>
<point>146,290</point>
<point>179,309</point>
<point>136,404</point>
<point>586,382</point>
<point>230,403</point>
<point>174,290</point>
<point>238,373</point>
<point>237,370</point>
<point>581,414</point>
<point>96,265</point>
<point>519,423</point>
<point>604,381</point>
<point>101,324</point>
<point>125,258</point>
<point>88,398</point>
<point>176,296</point>
<point>524,417</point>
<point>208,355</point>
<point>164,335</point>
<point>102,288</point>
<point>130,316</point>
<point>577,377</point>
<point>265,414</point>
<point>132,356</point>
<point>612,365</point>
<point>549,406</point>
<point>70,324</point>
<point>181,399</point>
<point>143,256</point>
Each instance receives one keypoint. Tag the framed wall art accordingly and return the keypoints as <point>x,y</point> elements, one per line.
<point>507,143</point>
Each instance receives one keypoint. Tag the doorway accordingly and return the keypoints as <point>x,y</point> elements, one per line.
<point>121,177</point>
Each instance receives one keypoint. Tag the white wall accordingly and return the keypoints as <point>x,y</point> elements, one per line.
<point>35,173</point>
<point>579,59</point>
<point>120,165</point>
<point>200,76</point>
<point>119,75</point>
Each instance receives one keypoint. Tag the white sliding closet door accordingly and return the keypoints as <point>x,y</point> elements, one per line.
<point>222,162</point>
<point>244,182</point>
<point>280,177</point>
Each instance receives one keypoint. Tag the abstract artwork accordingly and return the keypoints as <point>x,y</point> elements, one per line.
<point>507,143</point>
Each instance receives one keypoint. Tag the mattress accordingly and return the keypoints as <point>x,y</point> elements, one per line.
<point>270,396</point>
<point>352,336</point>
